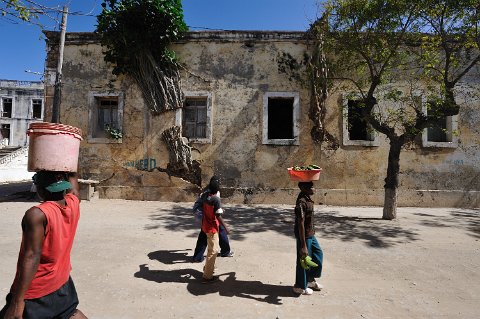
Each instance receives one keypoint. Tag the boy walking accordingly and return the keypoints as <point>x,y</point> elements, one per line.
<point>211,221</point>
<point>201,245</point>
<point>42,287</point>
<point>307,244</point>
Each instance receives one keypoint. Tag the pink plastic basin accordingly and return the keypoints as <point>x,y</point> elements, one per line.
<point>53,147</point>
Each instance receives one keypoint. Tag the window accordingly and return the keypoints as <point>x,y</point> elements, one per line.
<point>105,111</point>
<point>194,122</point>
<point>281,118</point>
<point>4,134</point>
<point>37,108</point>
<point>355,130</point>
<point>195,117</point>
<point>442,134</point>
<point>7,106</point>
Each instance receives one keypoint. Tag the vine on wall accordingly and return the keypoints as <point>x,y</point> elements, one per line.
<point>312,72</point>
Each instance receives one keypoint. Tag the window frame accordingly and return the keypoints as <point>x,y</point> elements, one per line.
<point>452,126</point>
<point>93,98</point>
<point>11,128</point>
<point>295,118</point>
<point>346,135</point>
<point>41,109</point>
<point>1,106</point>
<point>208,130</point>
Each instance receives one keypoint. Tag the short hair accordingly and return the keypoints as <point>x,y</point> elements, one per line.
<point>213,186</point>
<point>303,185</point>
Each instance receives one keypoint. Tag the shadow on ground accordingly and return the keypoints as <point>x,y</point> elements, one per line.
<point>375,232</point>
<point>458,218</point>
<point>17,192</point>
<point>226,286</point>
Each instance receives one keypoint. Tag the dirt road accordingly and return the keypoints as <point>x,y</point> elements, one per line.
<point>132,260</point>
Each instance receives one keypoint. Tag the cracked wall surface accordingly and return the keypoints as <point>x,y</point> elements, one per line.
<point>238,68</point>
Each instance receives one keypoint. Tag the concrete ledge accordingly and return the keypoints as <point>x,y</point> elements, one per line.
<point>87,189</point>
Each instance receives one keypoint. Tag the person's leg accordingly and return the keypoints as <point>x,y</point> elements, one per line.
<point>200,247</point>
<point>212,242</point>
<point>300,273</point>
<point>224,243</point>
<point>315,251</point>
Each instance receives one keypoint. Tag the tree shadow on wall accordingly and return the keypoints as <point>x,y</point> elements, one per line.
<point>227,286</point>
<point>375,232</point>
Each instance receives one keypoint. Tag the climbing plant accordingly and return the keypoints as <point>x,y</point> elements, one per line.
<point>312,72</point>
<point>136,35</point>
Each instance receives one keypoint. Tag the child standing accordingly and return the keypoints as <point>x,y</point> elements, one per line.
<point>211,221</point>
<point>307,244</point>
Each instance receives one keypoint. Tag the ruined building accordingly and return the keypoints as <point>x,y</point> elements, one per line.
<point>246,122</point>
<point>21,102</point>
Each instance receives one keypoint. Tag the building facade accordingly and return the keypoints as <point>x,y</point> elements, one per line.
<point>21,102</point>
<point>246,122</point>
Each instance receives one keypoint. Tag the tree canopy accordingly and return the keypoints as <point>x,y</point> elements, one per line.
<point>136,35</point>
<point>398,56</point>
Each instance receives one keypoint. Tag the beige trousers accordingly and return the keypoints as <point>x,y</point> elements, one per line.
<point>213,249</point>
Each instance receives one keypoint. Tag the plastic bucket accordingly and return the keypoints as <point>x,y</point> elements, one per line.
<point>53,147</point>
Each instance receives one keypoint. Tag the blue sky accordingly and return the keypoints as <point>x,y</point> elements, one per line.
<point>23,47</point>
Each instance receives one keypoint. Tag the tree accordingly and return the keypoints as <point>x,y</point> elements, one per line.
<point>28,11</point>
<point>17,10</point>
<point>381,50</point>
<point>136,35</point>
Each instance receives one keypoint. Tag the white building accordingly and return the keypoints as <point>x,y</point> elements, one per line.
<point>21,102</point>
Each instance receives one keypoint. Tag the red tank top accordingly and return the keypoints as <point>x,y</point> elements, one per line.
<point>54,267</point>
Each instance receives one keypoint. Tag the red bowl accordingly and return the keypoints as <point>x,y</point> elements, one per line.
<point>304,176</point>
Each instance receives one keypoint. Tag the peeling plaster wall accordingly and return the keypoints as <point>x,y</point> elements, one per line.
<point>238,68</point>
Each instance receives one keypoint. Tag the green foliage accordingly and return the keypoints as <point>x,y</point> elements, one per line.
<point>401,51</point>
<point>113,132</point>
<point>374,45</point>
<point>363,39</point>
<point>136,35</point>
<point>449,48</point>
<point>129,27</point>
<point>18,9</point>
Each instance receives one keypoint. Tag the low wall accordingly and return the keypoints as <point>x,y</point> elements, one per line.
<point>334,197</point>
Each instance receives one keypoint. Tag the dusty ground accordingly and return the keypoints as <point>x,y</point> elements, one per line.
<point>131,260</point>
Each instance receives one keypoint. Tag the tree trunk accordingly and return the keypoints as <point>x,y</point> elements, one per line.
<point>390,204</point>
<point>391,181</point>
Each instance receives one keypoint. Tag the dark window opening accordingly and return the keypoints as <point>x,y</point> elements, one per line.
<point>5,132</point>
<point>280,118</point>
<point>438,132</point>
<point>7,105</point>
<point>107,115</point>
<point>37,109</point>
<point>194,120</point>
<point>358,129</point>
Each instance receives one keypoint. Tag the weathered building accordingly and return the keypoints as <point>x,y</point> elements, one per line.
<point>247,122</point>
<point>21,102</point>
